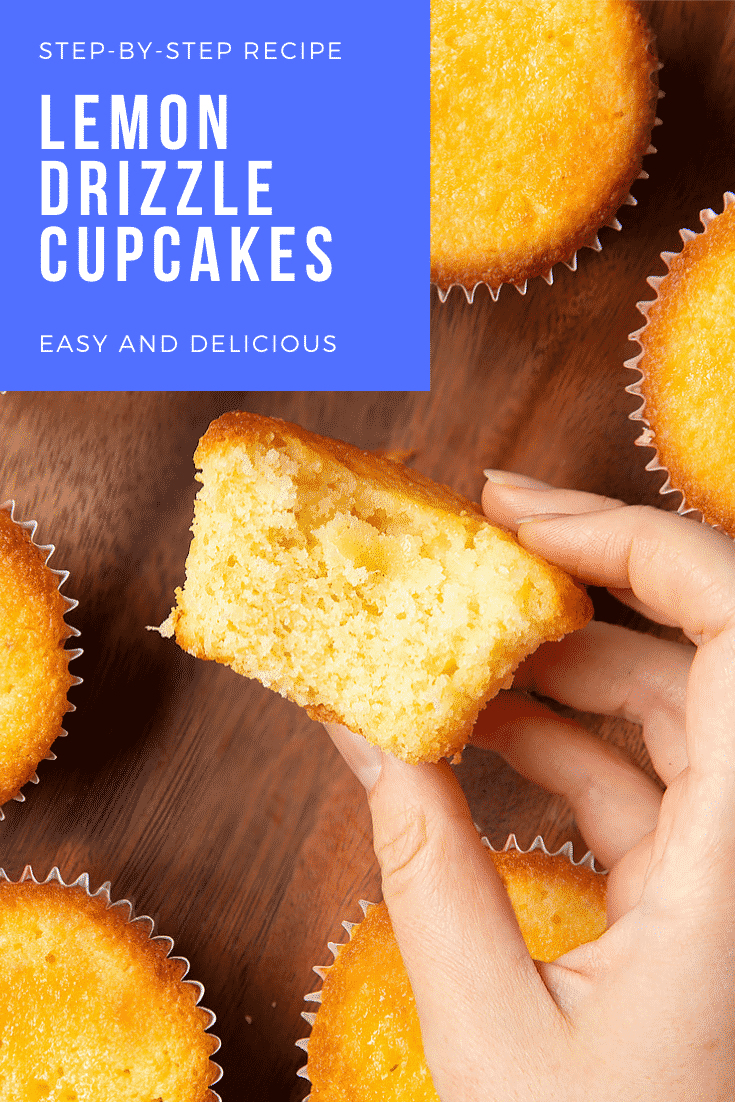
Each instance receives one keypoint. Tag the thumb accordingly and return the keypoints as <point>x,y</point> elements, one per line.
<point>451,915</point>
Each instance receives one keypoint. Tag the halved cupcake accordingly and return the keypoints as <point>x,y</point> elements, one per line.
<point>358,588</point>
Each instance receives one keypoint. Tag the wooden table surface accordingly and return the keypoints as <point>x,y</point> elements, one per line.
<point>219,808</point>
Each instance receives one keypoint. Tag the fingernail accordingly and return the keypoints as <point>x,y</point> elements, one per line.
<point>364,760</point>
<point>543,516</point>
<point>515,481</point>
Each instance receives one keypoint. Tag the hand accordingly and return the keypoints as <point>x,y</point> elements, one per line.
<point>648,1010</point>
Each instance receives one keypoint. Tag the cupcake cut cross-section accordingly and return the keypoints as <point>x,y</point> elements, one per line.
<point>356,587</point>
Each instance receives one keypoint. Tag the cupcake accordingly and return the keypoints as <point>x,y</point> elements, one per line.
<point>365,1042</point>
<point>358,588</point>
<point>687,370</point>
<point>541,115</point>
<point>34,664</point>
<point>93,1007</point>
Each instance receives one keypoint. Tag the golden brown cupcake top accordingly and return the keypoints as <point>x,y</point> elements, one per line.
<point>91,1007</point>
<point>34,666</point>
<point>688,366</point>
<point>541,114</point>
<point>365,1044</point>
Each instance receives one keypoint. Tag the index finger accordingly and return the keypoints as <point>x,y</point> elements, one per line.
<point>681,569</point>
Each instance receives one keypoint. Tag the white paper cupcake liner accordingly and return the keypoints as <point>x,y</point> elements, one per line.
<point>335,948</point>
<point>47,549</point>
<point>567,850</point>
<point>144,922</point>
<point>647,438</point>
<point>593,242</point>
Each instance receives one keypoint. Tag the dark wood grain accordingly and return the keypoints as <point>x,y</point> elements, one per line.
<point>216,806</point>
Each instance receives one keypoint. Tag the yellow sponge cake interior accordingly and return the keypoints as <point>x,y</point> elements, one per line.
<point>357,588</point>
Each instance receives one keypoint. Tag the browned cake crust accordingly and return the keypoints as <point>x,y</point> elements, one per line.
<point>390,473</point>
<point>688,369</point>
<point>503,176</point>
<point>99,1002</point>
<point>365,1044</point>
<point>34,666</point>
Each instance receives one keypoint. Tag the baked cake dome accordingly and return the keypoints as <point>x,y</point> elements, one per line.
<point>541,114</point>
<point>92,1008</point>
<point>34,664</point>
<point>687,365</point>
<point>365,1043</point>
